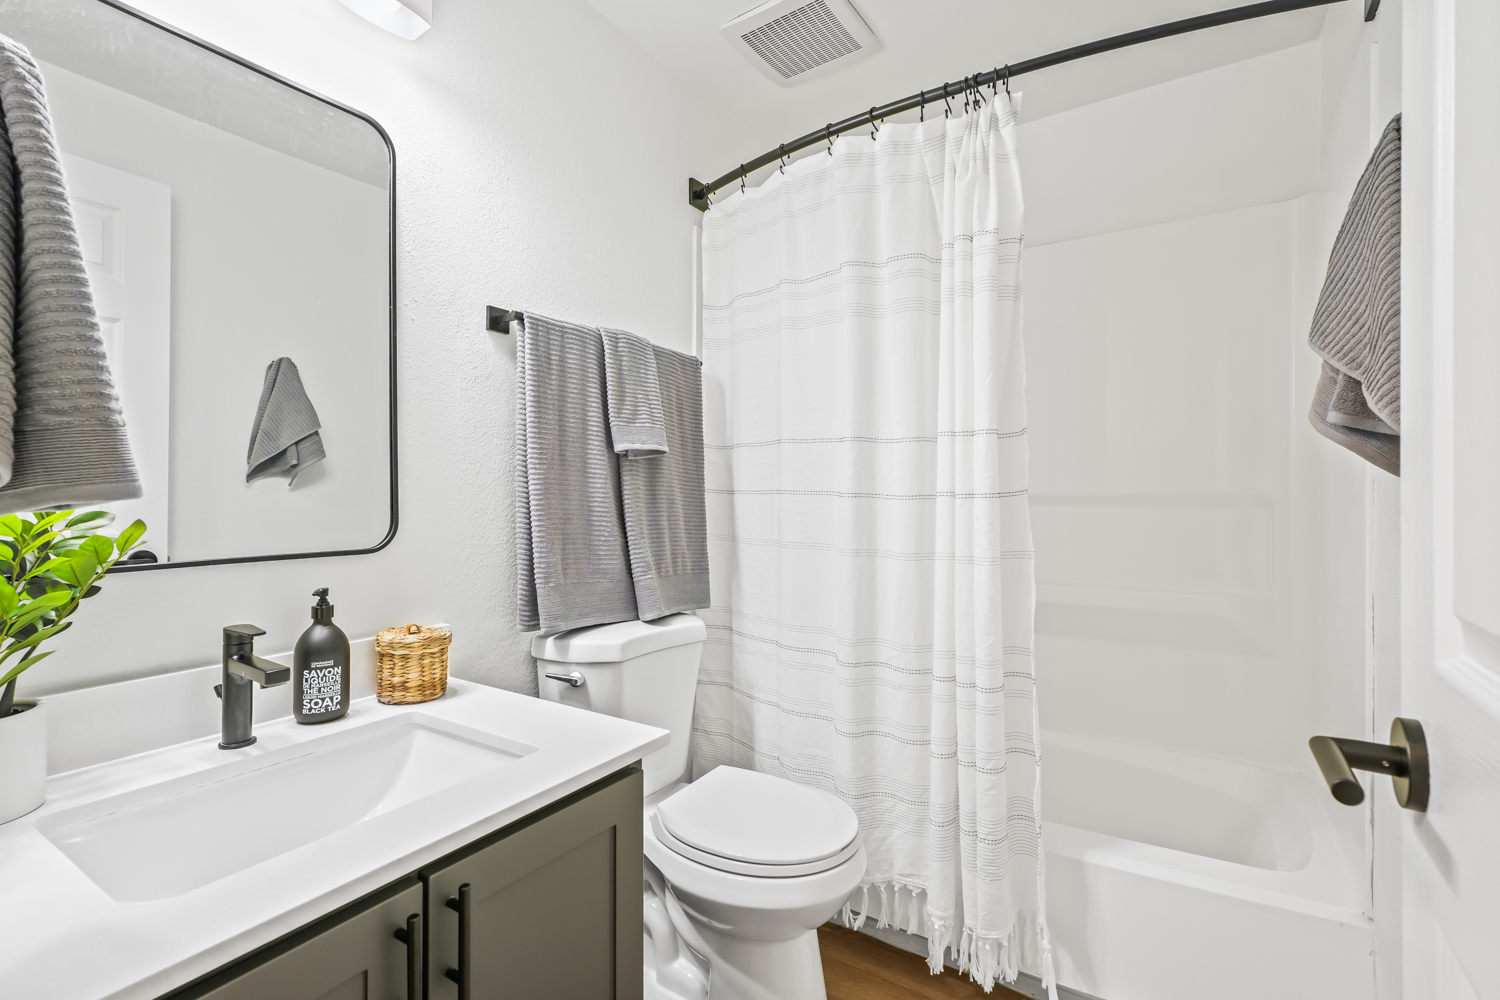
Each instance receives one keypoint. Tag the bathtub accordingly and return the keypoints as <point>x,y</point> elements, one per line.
<point>1174,876</point>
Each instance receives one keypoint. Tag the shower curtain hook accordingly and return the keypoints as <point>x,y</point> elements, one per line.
<point>1006,71</point>
<point>828,137</point>
<point>782,149</point>
<point>742,178</point>
<point>995,82</point>
<point>947,107</point>
<point>874,128</point>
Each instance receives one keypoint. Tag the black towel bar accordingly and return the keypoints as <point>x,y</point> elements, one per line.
<point>499,320</point>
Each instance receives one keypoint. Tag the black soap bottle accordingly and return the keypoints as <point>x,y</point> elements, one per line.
<point>320,667</point>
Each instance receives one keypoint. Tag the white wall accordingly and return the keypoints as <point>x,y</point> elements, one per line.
<point>1202,553</point>
<point>541,164</point>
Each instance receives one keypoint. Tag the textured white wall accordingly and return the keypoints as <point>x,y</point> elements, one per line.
<point>541,162</point>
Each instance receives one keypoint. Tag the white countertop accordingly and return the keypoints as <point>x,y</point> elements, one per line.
<point>64,938</point>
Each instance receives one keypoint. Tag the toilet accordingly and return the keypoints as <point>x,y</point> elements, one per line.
<point>741,867</point>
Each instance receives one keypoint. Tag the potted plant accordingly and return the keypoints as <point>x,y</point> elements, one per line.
<point>49,563</point>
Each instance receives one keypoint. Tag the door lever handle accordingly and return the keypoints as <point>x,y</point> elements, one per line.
<point>1404,759</point>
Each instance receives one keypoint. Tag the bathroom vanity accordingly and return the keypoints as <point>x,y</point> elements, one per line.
<point>403,851</point>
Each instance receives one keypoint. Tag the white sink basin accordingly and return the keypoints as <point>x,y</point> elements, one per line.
<point>168,839</point>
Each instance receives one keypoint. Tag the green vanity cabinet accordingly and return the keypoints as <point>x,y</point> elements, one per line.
<point>352,955</point>
<point>547,907</point>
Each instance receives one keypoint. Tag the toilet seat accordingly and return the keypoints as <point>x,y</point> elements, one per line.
<point>748,823</point>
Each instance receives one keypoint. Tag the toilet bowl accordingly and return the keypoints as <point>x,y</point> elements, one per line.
<point>741,868</point>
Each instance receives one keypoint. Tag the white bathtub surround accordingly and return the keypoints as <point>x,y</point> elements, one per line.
<point>871,542</point>
<point>23,760</point>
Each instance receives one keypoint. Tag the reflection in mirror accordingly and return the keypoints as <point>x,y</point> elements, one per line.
<point>237,236</point>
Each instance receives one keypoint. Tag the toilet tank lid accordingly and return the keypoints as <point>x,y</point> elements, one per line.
<point>618,640</point>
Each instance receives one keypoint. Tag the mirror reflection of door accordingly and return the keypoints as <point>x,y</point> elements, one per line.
<point>125,232</point>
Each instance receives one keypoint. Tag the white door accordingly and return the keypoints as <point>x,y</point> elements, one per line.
<point>125,230</point>
<point>1450,495</point>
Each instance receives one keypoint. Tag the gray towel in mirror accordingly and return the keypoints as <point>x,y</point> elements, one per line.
<point>285,437</point>
<point>62,431</point>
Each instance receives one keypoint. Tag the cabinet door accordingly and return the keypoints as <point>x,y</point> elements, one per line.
<point>547,909</point>
<point>352,955</point>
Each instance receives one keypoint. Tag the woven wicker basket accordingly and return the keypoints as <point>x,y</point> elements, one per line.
<point>411,664</point>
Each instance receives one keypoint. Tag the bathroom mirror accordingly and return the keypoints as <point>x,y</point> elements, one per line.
<point>229,220</point>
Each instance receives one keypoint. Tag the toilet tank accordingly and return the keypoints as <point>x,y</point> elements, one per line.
<point>642,671</point>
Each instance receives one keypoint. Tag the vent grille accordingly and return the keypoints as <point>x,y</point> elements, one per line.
<point>802,39</point>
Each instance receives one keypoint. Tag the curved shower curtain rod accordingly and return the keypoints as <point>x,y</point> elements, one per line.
<point>698,192</point>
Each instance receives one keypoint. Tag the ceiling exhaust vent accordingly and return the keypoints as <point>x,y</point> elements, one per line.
<point>794,40</point>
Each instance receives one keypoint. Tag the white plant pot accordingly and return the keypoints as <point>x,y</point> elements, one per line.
<point>23,760</point>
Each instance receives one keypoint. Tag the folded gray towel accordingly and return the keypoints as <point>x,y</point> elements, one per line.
<point>572,564</point>
<point>62,432</point>
<point>285,436</point>
<point>1356,328</point>
<point>635,418</point>
<point>666,521</point>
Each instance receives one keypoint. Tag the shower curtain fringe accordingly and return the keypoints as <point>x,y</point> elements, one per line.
<point>987,960</point>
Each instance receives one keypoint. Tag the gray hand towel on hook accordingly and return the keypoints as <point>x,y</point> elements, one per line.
<point>635,416</point>
<point>62,431</point>
<point>1356,328</point>
<point>286,435</point>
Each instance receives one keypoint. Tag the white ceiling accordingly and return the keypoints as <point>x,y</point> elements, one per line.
<point>928,42</point>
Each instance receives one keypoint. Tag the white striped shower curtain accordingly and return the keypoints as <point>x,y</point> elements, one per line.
<point>870,542</point>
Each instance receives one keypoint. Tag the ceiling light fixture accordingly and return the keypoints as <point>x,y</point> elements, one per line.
<point>407,18</point>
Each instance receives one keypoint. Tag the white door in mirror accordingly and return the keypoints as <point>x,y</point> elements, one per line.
<point>125,232</point>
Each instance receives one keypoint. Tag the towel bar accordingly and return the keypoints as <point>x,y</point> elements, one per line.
<point>499,320</point>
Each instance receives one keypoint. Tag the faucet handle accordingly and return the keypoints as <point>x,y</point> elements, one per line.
<point>240,635</point>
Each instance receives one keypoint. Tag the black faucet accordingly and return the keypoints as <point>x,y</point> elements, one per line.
<point>242,671</point>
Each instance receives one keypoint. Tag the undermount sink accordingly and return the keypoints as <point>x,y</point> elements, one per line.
<point>168,839</point>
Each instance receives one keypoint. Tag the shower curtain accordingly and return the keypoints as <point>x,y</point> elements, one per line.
<point>870,542</point>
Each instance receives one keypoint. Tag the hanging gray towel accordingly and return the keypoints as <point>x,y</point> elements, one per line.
<point>635,418</point>
<point>572,564</point>
<point>286,435</point>
<point>1356,328</point>
<point>62,432</point>
<point>666,521</point>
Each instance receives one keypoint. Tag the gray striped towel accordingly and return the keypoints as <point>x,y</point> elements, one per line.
<point>286,435</point>
<point>62,432</point>
<point>635,418</point>
<point>1356,328</point>
<point>666,520</point>
<point>572,563</point>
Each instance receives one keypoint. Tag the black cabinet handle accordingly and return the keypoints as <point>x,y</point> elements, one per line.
<point>411,936</point>
<point>464,972</point>
<point>1404,760</point>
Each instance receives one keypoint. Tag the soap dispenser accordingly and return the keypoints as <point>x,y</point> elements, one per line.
<point>320,667</point>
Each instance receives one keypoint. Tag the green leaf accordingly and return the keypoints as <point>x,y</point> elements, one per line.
<point>96,589</point>
<point>9,600</point>
<point>36,638</point>
<point>78,570</point>
<point>49,520</point>
<point>48,566</point>
<point>131,536</point>
<point>33,611</point>
<point>11,527</point>
<point>101,547</point>
<point>21,667</point>
<point>93,520</point>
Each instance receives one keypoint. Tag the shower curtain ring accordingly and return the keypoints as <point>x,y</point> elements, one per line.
<point>1006,71</point>
<point>828,136</point>
<point>874,128</point>
<point>947,107</point>
<point>742,178</point>
<point>782,150</point>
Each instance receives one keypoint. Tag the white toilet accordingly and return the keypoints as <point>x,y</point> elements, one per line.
<point>741,867</point>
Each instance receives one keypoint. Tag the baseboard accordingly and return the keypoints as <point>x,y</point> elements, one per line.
<point>1026,984</point>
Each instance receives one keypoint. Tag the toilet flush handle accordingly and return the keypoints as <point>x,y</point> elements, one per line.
<point>575,679</point>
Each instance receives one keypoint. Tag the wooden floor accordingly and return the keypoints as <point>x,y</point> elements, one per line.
<point>858,967</point>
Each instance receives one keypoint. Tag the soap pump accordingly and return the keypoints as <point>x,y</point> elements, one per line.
<point>320,667</point>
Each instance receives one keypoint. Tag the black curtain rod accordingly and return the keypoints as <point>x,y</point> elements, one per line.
<point>698,191</point>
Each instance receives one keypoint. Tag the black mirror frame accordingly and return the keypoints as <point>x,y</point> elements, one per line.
<point>390,533</point>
